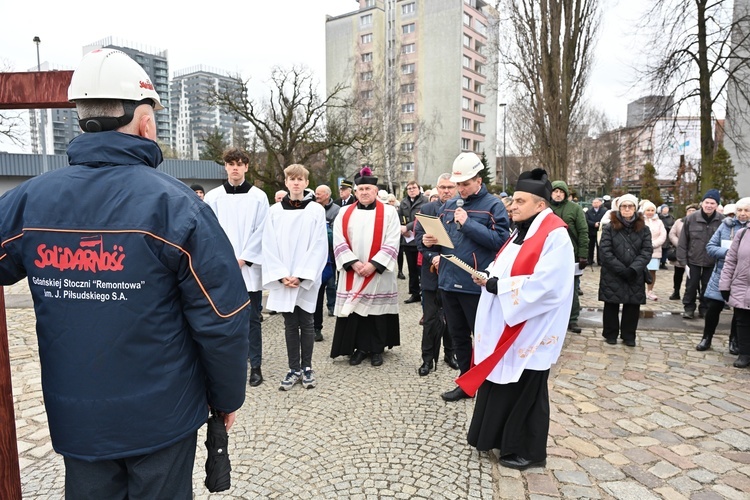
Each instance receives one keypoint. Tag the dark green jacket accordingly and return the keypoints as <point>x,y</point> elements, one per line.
<point>574,216</point>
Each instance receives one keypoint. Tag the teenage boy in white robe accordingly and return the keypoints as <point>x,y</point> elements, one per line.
<point>520,327</point>
<point>295,250</point>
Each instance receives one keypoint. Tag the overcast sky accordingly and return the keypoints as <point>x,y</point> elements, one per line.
<point>252,36</point>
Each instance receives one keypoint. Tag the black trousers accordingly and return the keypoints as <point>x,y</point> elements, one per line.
<point>679,272</point>
<point>695,287</point>
<point>713,311</point>
<point>593,244</point>
<point>410,253</point>
<point>460,314</point>
<point>167,473</point>
<point>612,326</point>
<point>743,329</point>
<point>434,327</point>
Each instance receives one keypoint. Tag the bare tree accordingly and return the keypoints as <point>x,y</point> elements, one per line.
<point>693,56</point>
<point>11,122</point>
<point>292,123</point>
<point>546,51</point>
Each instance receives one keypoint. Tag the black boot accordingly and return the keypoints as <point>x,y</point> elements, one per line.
<point>734,349</point>
<point>256,377</point>
<point>675,295</point>
<point>743,361</point>
<point>704,344</point>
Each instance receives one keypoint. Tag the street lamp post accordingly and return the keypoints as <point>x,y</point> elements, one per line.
<point>43,113</point>
<point>504,106</point>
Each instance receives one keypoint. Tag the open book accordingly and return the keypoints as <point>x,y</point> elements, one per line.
<point>466,267</point>
<point>434,226</point>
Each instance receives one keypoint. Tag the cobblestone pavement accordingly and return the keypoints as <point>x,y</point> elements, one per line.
<point>660,420</point>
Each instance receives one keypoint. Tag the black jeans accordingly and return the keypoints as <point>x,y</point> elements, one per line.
<point>612,327</point>
<point>712,319</point>
<point>593,244</point>
<point>410,253</point>
<point>695,287</point>
<point>679,272</point>
<point>434,327</point>
<point>300,338</point>
<point>743,329</point>
<point>460,314</point>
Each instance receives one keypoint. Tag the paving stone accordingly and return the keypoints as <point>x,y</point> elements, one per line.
<point>735,438</point>
<point>714,463</point>
<point>670,494</point>
<point>628,491</point>
<point>542,484</point>
<point>601,470</point>
<point>664,470</point>
<point>573,477</point>
<point>642,476</point>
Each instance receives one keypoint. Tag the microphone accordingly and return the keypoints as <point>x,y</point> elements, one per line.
<point>459,204</point>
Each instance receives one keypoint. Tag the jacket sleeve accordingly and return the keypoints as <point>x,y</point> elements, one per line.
<point>582,229</point>
<point>428,253</point>
<point>683,243</point>
<point>730,263</point>
<point>659,237</point>
<point>214,302</point>
<point>11,231</point>
<point>494,236</point>
<point>674,237</point>
<point>714,248</point>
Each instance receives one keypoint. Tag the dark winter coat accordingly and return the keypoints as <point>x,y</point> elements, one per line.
<point>407,210</point>
<point>624,254</point>
<point>696,233</point>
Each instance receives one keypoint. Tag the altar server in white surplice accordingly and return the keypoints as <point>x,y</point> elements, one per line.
<point>295,250</point>
<point>366,236</point>
<point>520,327</point>
<point>241,209</point>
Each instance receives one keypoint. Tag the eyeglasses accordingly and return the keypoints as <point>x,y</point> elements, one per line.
<point>627,207</point>
<point>446,187</point>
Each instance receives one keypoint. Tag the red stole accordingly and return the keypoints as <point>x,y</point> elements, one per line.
<point>524,264</point>
<point>377,238</point>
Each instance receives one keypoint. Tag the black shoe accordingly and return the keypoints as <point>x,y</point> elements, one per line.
<point>414,298</point>
<point>663,266</point>
<point>451,361</point>
<point>272,312</point>
<point>743,361</point>
<point>357,358</point>
<point>401,276</point>
<point>580,292</point>
<point>425,369</point>
<point>421,321</point>
<point>573,327</point>
<point>688,314</point>
<point>704,344</point>
<point>256,377</point>
<point>513,461</point>
<point>376,359</point>
<point>456,394</point>
<point>318,335</point>
<point>675,296</point>
<point>701,314</point>
<point>629,342</point>
<point>330,312</point>
<point>734,349</point>
<point>610,341</point>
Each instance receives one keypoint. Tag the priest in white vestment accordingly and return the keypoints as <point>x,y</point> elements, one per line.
<point>366,237</point>
<point>295,250</point>
<point>241,209</point>
<point>520,327</point>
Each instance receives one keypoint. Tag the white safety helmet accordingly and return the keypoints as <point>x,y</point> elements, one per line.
<point>111,74</point>
<point>466,166</point>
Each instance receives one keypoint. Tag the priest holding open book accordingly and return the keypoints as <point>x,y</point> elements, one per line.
<point>520,327</point>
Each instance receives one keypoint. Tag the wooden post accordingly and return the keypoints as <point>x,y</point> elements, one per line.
<point>10,475</point>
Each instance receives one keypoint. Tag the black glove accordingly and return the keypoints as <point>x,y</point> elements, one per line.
<point>725,295</point>
<point>491,285</point>
<point>582,263</point>
<point>630,274</point>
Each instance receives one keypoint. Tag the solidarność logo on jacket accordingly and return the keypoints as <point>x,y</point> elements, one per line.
<point>87,257</point>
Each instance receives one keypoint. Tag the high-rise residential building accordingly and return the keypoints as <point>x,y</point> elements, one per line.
<point>194,118</point>
<point>424,75</point>
<point>737,123</point>
<point>156,64</point>
<point>649,108</point>
<point>60,124</point>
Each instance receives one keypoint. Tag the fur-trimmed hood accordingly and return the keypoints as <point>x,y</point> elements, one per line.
<point>638,224</point>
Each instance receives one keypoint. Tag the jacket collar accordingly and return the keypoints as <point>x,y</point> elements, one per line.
<point>102,149</point>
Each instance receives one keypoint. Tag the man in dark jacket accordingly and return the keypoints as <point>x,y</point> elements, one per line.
<point>410,206</point>
<point>141,312</point>
<point>593,219</point>
<point>668,220</point>
<point>345,192</point>
<point>691,252</point>
<point>572,214</point>
<point>434,327</point>
<point>477,224</point>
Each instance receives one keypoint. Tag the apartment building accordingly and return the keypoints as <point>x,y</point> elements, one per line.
<point>424,75</point>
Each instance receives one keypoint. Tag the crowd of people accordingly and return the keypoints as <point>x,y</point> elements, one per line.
<point>497,277</point>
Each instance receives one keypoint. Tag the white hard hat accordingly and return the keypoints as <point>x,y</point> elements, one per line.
<point>466,166</point>
<point>111,74</point>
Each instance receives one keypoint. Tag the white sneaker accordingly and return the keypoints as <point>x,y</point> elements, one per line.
<point>308,378</point>
<point>290,380</point>
<point>652,296</point>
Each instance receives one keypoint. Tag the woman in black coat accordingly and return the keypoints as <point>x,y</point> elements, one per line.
<point>625,250</point>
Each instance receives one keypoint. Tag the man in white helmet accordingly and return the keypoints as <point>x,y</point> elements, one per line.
<point>141,313</point>
<point>477,224</point>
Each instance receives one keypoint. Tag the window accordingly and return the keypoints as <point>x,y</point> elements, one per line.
<point>479,67</point>
<point>407,166</point>
<point>407,147</point>
<point>408,69</point>
<point>408,28</point>
<point>367,57</point>
<point>407,88</point>
<point>367,38</point>
<point>478,87</point>
<point>365,20</point>
<point>467,83</point>
<point>407,108</point>
<point>467,62</point>
<point>467,19</point>
<point>369,3</point>
<point>478,127</point>
<point>366,94</point>
<point>365,76</point>
<point>366,114</point>
<point>480,27</point>
<point>465,124</point>
<point>477,107</point>
<point>409,8</point>
<point>407,127</point>
<point>467,41</point>
<point>465,144</point>
<point>465,103</point>
<point>477,146</point>
<point>409,48</point>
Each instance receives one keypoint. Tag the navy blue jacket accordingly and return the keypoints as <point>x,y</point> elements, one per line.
<point>140,305</point>
<point>429,277</point>
<point>476,243</point>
